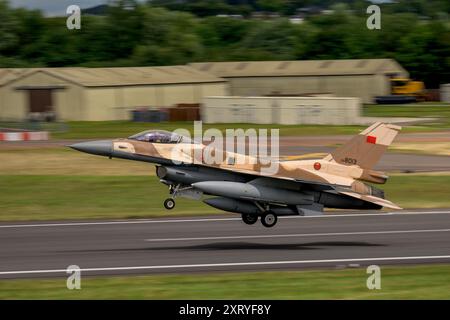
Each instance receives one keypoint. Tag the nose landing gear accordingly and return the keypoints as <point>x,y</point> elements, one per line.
<point>178,190</point>
<point>169,203</point>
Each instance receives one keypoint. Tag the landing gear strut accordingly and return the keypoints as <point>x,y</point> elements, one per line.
<point>169,203</point>
<point>249,218</point>
<point>269,219</point>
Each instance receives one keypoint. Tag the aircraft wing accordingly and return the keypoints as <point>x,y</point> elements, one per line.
<point>317,186</point>
<point>301,175</point>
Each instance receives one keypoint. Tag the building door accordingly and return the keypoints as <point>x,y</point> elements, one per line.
<point>40,100</point>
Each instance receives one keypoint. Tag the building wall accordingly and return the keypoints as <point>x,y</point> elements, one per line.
<point>361,86</point>
<point>13,104</point>
<point>76,102</point>
<point>282,110</point>
<point>137,96</point>
<point>67,103</point>
<point>211,89</point>
<point>260,86</point>
<point>238,110</point>
<point>115,103</point>
<point>100,104</point>
<point>445,93</point>
<point>334,111</point>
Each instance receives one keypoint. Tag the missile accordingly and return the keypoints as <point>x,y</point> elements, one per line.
<point>255,192</point>
<point>232,205</point>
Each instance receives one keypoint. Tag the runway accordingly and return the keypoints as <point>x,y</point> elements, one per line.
<point>223,243</point>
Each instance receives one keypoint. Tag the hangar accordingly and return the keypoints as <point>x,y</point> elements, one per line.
<point>95,94</point>
<point>364,78</point>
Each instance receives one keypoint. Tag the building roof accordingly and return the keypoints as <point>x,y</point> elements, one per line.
<point>124,76</point>
<point>7,75</point>
<point>300,68</point>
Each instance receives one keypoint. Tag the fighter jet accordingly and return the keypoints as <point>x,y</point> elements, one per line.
<point>299,187</point>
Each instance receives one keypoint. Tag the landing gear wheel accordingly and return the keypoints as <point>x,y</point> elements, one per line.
<point>268,220</point>
<point>249,218</point>
<point>169,204</point>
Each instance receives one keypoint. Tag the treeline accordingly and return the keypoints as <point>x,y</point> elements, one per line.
<point>132,34</point>
<point>429,8</point>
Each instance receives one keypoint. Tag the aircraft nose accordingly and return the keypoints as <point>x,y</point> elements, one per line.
<point>100,147</point>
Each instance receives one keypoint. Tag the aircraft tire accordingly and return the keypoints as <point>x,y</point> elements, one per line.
<point>269,219</point>
<point>169,203</point>
<point>249,218</point>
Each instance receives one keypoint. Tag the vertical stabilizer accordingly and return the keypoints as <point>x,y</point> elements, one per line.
<point>366,149</point>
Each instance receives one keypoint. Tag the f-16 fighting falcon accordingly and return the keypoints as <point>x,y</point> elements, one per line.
<point>300,187</point>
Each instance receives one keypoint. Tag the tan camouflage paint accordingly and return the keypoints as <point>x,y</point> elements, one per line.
<point>345,166</point>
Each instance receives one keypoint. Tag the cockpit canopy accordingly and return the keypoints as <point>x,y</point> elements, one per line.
<point>160,136</point>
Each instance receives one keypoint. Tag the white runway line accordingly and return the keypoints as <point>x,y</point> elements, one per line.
<point>69,224</point>
<point>231,264</point>
<point>298,235</point>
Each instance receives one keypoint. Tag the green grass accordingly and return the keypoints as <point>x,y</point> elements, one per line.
<point>115,129</point>
<point>419,110</point>
<point>405,282</point>
<point>119,129</point>
<point>418,191</point>
<point>46,197</point>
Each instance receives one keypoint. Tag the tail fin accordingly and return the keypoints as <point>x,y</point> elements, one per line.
<point>366,149</point>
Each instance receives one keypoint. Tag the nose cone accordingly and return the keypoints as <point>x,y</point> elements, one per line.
<point>100,147</point>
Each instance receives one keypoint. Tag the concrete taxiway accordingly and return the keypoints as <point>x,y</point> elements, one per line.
<point>223,243</point>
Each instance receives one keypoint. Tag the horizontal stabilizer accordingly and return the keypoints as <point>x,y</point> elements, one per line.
<point>372,199</point>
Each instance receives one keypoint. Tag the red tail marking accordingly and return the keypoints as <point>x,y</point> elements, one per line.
<point>371,139</point>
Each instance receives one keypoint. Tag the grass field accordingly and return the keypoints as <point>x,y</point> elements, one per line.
<point>119,129</point>
<point>430,148</point>
<point>405,282</point>
<point>419,110</point>
<point>65,161</point>
<point>111,129</point>
<point>47,197</point>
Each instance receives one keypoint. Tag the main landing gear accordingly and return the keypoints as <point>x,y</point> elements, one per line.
<point>249,218</point>
<point>268,219</point>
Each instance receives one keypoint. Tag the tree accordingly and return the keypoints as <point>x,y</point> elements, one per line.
<point>168,38</point>
<point>124,22</point>
<point>425,52</point>
<point>275,38</point>
<point>8,28</point>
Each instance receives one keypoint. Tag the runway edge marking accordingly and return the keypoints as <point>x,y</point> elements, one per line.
<point>231,264</point>
<point>68,224</point>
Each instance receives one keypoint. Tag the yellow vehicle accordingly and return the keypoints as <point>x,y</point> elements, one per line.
<point>407,87</point>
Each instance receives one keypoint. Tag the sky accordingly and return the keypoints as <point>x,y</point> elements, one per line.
<point>54,7</point>
<point>58,7</point>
